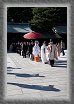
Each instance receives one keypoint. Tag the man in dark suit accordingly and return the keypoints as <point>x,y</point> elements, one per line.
<point>24,49</point>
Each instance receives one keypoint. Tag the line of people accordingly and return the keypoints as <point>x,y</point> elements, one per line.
<point>48,52</point>
<point>35,52</point>
<point>22,48</point>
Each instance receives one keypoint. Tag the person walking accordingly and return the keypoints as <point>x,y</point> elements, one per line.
<point>30,49</point>
<point>58,49</point>
<point>18,47</point>
<point>21,48</point>
<point>52,53</point>
<point>62,47</point>
<point>43,52</point>
<point>27,52</point>
<point>36,51</point>
<point>24,49</point>
<point>11,48</point>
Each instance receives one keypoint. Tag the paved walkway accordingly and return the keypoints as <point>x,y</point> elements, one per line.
<point>31,80</point>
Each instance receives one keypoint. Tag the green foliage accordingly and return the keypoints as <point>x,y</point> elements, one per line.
<point>44,18</point>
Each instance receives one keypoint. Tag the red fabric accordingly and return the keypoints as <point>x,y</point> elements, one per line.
<point>32,35</point>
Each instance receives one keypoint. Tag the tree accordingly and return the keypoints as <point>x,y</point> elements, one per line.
<point>44,18</point>
<point>19,14</point>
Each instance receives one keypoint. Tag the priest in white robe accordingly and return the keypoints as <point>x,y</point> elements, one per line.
<point>43,52</point>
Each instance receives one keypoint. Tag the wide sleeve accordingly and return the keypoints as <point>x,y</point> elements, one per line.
<point>39,49</point>
<point>33,50</point>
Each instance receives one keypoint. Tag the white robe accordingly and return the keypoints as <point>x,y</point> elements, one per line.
<point>43,54</point>
<point>47,54</point>
<point>36,50</point>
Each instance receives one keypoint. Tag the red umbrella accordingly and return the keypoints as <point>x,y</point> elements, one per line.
<point>32,35</point>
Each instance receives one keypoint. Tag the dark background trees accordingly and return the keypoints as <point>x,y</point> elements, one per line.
<point>45,18</point>
<point>42,19</point>
<point>19,14</point>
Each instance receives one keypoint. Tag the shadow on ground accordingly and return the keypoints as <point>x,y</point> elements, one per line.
<point>61,63</point>
<point>9,69</point>
<point>12,68</point>
<point>36,87</point>
<point>25,75</point>
<point>60,66</point>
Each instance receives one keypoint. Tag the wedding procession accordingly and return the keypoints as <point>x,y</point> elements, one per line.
<point>37,53</point>
<point>45,53</point>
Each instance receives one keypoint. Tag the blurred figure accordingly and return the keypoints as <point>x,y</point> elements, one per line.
<point>62,47</point>
<point>14,47</point>
<point>43,52</point>
<point>24,49</point>
<point>27,45</point>
<point>10,48</point>
<point>21,48</point>
<point>47,52</point>
<point>36,51</point>
<point>58,49</point>
<point>52,53</point>
<point>30,49</point>
<point>18,47</point>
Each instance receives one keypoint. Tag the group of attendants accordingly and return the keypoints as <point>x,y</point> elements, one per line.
<point>45,52</point>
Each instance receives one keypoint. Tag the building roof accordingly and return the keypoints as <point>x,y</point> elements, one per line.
<point>18,28</point>
<point>60,29</point>
<point>52,36</point>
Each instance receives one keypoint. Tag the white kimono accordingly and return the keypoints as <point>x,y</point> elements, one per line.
<point>43,53</point>
<point>36,50</point>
